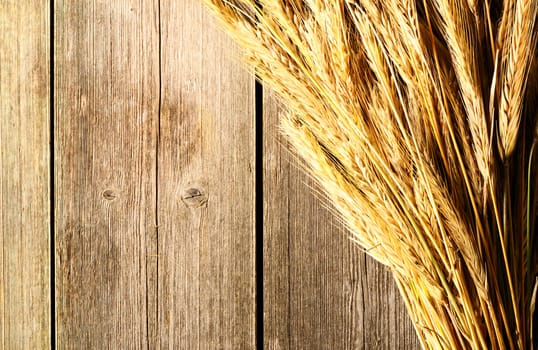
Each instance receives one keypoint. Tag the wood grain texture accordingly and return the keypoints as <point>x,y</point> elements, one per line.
<point>320,290</point>
<point>155,242</point>
<point>24,175</point>
<point>106,119</point>
<point>155,183</point>
<point>206,271</point>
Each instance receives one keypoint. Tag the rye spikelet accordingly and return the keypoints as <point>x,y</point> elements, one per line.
<point>419,120</point>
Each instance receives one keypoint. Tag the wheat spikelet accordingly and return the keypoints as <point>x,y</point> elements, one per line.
<point>418,119</point>
<point>520,49</point>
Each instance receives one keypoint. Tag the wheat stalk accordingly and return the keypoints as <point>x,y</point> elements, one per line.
<point>418,119</point>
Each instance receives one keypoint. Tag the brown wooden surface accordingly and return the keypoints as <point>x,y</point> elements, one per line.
<point>106,119</point>
<point>320,290</point>
<point>24,175</point>
<point>155,179</point>
<point>154,129</point>
<point>206,175</point>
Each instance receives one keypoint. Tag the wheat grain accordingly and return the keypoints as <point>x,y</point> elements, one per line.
<point>394,107</point>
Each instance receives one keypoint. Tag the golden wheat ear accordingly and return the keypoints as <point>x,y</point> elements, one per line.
<point>418,120</point>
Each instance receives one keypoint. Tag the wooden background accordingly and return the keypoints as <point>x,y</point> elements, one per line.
<point>147,200</point>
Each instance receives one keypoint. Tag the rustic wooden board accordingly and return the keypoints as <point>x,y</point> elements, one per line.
<point>155,203</point>
<point>155,179</point>
<point>24,175</point>
<point>106,119</point>
<point>320,290</point>
<point>206,270</point>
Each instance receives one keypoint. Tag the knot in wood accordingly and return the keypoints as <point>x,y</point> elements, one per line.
<point>194,198</point>
<point>109,195</point>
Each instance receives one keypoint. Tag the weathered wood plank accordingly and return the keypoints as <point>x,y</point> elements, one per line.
<point>383,320</point>
<point>24,175</point>
<point>276,250</point>
<point>320,290</point>
<point>206,270</point>
<point>106,119</point>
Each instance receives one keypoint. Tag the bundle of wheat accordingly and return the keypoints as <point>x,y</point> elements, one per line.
<point>419,120</point>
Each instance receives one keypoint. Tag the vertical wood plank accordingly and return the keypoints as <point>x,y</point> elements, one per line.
<point>106,114</point>
<point>24,175</point>
<point>320,290</point>
<point>206,272</point>
<point>276,245</point>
